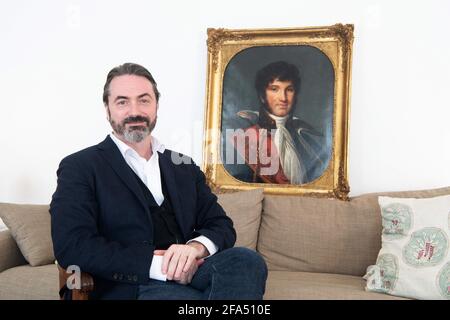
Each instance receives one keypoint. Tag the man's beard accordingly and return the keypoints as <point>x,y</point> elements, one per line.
<point>134,133</point>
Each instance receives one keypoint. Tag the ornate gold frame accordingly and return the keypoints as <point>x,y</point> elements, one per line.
<point>336,43</point>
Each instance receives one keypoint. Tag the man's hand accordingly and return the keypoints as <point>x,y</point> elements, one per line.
<point>182,261</point>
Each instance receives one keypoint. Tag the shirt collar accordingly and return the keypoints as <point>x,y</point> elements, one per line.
<point>124,148</point>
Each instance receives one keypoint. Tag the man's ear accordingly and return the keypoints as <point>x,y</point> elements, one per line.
<point>108,113</point>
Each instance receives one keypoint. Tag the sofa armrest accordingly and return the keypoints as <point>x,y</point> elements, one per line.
<point>10,255</point>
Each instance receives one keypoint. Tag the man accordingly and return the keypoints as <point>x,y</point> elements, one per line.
<point>278,147</point>
<point>128,214</point>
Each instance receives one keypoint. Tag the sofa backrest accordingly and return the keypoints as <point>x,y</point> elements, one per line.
<point>325,235</point>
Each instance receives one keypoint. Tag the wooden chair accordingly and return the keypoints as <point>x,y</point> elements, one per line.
<point>86,286</point>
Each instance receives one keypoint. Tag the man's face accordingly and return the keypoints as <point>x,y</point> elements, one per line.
<point>132,107</point>
<point>280,97</point>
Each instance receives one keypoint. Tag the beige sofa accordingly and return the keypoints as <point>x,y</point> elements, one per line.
<point>314,248</point>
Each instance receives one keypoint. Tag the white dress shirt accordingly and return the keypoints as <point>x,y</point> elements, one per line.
<point>150,174</point>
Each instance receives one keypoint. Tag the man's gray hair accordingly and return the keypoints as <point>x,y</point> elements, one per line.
<point>128,69</point>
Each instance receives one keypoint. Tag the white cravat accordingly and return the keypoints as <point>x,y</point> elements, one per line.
<point>150,174</point>
<point>289,157</point>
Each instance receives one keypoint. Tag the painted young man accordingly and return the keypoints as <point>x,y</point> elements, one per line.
<point>278,147</point>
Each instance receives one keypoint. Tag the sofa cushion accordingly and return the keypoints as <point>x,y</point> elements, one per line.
<point>30,228</point>
<point>244,208</point>
<point>318,286</point>
<point>325,235</point>
<point>414,260</point>
<point>10,255</point>
<point>30,283</point>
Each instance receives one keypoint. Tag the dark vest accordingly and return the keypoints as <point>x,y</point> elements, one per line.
<point>165,227</point>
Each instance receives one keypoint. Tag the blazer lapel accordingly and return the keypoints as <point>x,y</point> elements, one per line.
<point>167,170</point>
<point>115,159</point>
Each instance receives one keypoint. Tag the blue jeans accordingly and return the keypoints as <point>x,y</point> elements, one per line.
<point>232,274</point>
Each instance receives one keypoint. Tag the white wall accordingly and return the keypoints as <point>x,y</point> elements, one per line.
<point>55,56</point>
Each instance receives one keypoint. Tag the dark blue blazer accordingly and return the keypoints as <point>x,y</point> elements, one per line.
<point>101,222</point>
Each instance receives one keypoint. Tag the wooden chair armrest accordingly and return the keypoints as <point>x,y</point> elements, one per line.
<point>86,285</point>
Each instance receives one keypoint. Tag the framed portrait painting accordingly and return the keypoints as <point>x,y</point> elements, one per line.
<point>277,110</point>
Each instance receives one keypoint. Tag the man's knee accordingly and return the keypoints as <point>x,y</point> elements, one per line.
<point>249,260</point>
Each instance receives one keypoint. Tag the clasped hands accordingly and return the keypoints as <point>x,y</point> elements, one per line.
<point>181,261</point>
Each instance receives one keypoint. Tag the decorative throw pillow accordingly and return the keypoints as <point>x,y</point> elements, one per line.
<point>244,208</point>
<point>30,227</point>
<point>414,260</point>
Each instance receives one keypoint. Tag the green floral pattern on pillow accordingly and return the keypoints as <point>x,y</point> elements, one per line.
<point>427,247</point>
<point>383,276</point>
<point>397,220</point>
<point>444,281</point>
<point>414,260</point>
